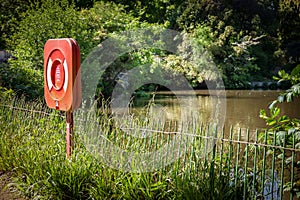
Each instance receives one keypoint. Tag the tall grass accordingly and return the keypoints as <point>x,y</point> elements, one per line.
<point>32,146</point>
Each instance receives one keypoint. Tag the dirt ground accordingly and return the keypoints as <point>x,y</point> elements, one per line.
<point>5,192</point>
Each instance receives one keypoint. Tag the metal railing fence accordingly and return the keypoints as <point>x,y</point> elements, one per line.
<point>257,163</point>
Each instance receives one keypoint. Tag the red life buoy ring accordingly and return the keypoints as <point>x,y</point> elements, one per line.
<point>57,75</point>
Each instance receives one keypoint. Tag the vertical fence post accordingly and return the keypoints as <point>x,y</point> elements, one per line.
<point>69,135</point>
<point>192,156</point>
<point>263,173</point>
<point>245,167</point>
<point>292,167</point>
<point>230,151</point>
<point>254,163</point>
<point>282,168</point>
<point>221,152</point>
<point>273,165</point>
<point>205,149</point>
<point>212,162</point>
<point>237,161</point>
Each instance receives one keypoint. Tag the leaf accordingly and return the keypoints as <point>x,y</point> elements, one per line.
<point>276,78</point>
<point>282,73</point>
<point>291,130</point>
<point>289,97</point>
<point>271,122</point>
<point>296,89</point>
<point>271,106</point>
<point>280,98</point>
<point>263,114</point>
<point>287,188</point>
<point>275,112</point>
<point>283,119</point>
<point>298,194</point>
<point>280,156</point>
<point>297,136</point>
<point>296,71</point>
<point>281,135</point>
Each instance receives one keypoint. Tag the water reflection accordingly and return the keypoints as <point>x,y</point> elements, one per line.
<point>242,107</point>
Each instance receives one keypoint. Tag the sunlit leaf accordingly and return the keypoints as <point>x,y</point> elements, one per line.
<point>283,119</point>
<point>275,112</point>
<point>271,122</point>
<point>289,97</point>
<point>263,114</point>
<point>297,136</point>
<point>280,156</point>
<point>296,71</point>
<point>291,130</point>
<point>296,89</point>
<point>280,135</point>
<point>288,184</point>
<point>280,98</point>
<point>271,106</point>
<point>282,73</point>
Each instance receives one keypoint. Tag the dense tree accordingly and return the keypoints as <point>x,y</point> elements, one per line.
<point>157,11</point>
<point>250,40</point>
<point>289,37</point>
<point>56,19</point>
<point>11,12</point>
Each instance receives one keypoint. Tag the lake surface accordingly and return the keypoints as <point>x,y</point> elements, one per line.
<point>241,106</point>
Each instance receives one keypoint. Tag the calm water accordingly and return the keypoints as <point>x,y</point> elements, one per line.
<point>242,106</point>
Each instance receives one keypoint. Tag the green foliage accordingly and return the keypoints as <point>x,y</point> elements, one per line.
<point>228,23</point>
<point>11,13</point>
<point>6,93</point>
<point>53,19</point>
<point>194,61</point>
<point>138,55</point>
<point>231,52</point>
<point>286,130</point>
<point>249,40</point>
<point>155,11</point>
<point>289,13</point>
